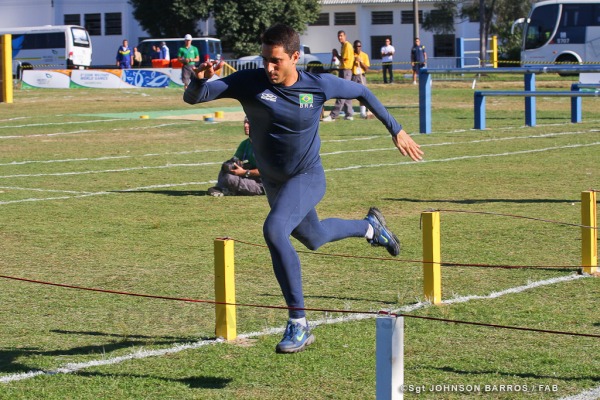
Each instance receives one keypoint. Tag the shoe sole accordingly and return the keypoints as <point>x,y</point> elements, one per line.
<point>379,216</point>
<point>309,341</point>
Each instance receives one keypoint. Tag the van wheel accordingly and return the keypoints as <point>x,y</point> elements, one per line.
<point>567,59</point>
<point>315,68</point>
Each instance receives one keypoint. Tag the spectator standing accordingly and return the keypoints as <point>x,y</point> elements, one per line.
<point>124,55</point>
<point>189,56</point>
<point>239,176</point>
<point>164,51</point>
<point>346,64</point>
<point>418,58</point>
<point>137,57</point>
<point>387,61</point>
<point>283,104</point>
<point>360,68</point>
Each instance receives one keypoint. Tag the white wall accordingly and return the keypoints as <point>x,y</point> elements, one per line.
<point>14,13</point>
<point>322,39</point>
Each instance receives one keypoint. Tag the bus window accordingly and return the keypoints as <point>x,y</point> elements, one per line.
<point>541,25</point>
<point>44,41</point>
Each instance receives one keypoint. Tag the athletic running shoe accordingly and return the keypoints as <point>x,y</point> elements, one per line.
<point>295,338</point>
<point>382,236</point>
<point>215,192</point>
<point>328,119</point>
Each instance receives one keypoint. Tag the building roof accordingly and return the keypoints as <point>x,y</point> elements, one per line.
<point>366,2</point>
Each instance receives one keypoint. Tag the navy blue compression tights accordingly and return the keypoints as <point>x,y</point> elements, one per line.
<point>293,214</point>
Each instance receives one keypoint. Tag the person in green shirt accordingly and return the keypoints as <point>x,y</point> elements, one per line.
<point>189,56</point>
<point>239,176</point>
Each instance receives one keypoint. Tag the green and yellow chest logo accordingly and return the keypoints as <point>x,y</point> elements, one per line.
<point>306,100</point>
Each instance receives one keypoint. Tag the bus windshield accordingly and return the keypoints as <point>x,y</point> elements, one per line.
<point>80,37</point>
<point>541,25</point>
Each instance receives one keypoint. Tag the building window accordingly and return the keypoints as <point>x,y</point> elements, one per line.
<point>72,19</point>
<point>382,18</point>
<point>112,24</point>
<point>323,20</point>
<point>344,18</point>
<point>377,42</point>
<point>443,45</point>
<point>408,17</point>
<point>93,24</point>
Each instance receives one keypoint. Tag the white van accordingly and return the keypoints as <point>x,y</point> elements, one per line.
<point>50,47</point>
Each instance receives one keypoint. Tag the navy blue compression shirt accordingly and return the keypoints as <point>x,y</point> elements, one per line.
<point>285,119</point>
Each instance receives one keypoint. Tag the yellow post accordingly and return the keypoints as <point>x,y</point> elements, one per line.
<point>495,51</point>
<point>225,325</point>
<point>6,81</point>
<point>432,276</point>
<point>589,236</point>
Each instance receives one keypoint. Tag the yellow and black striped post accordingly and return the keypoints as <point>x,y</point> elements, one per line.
<point>225,324</point>
<point>589,232</point>
<point>6,82</point>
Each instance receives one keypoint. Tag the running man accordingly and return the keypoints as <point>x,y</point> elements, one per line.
<point>284,104</point>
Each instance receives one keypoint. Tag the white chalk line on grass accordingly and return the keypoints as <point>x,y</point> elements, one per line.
<point>43,190</point>
<point>110,158</point>
<point>460,158</point>
<point>59,123</point>
<point>353,167</point>
<point>327,170</point>
<point>87,131</point>
<point>591,394</point>
<point>90,194</point>
<point>141,354</point>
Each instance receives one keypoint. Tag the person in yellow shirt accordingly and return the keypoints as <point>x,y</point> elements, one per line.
<point>346,65</point>
<point>359,69</point>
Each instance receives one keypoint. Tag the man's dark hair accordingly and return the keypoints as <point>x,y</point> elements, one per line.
<point>284,36</point>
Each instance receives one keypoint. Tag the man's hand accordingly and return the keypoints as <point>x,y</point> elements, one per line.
<point>407,146</point>
<point>237,170</point>
<point>207,69</point>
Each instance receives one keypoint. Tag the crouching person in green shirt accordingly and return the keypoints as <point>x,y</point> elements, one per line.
<point>239,175</point>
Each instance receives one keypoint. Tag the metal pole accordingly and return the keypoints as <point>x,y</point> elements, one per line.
<point>389,358</point>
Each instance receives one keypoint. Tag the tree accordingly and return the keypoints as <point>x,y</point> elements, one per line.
<point>240,23</point>
<point>495,18</point>
<point>441,20</point>
<point>171,18</point>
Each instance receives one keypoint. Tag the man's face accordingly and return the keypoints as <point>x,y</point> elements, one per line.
<point>279,66</point>
<point>387,42</point>
<point>417,42</point>
<point>342,37</point>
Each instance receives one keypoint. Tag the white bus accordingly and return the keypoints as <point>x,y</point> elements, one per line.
<point>50,47</point>
<point>561,31</point>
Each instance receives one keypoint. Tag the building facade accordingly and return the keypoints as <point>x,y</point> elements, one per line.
<point>370,21</point>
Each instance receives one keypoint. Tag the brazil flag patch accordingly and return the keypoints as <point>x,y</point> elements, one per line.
<point>306,100</point>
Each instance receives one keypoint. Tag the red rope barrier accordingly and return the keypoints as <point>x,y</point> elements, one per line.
<point>517,216</point>
<point>399,260</point>
<point>62,285</point>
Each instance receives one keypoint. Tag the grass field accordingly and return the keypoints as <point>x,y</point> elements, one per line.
<point>93,196</point>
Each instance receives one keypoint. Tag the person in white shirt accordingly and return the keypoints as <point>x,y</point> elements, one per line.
<point>387,58</point>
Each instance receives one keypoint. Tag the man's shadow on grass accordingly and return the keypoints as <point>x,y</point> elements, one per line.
<point>484,201</point>
<point>8,357</point>
<point>193,382</point>
<point>513,374</point>
<point>176,193</point>
<point>308,296</point>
